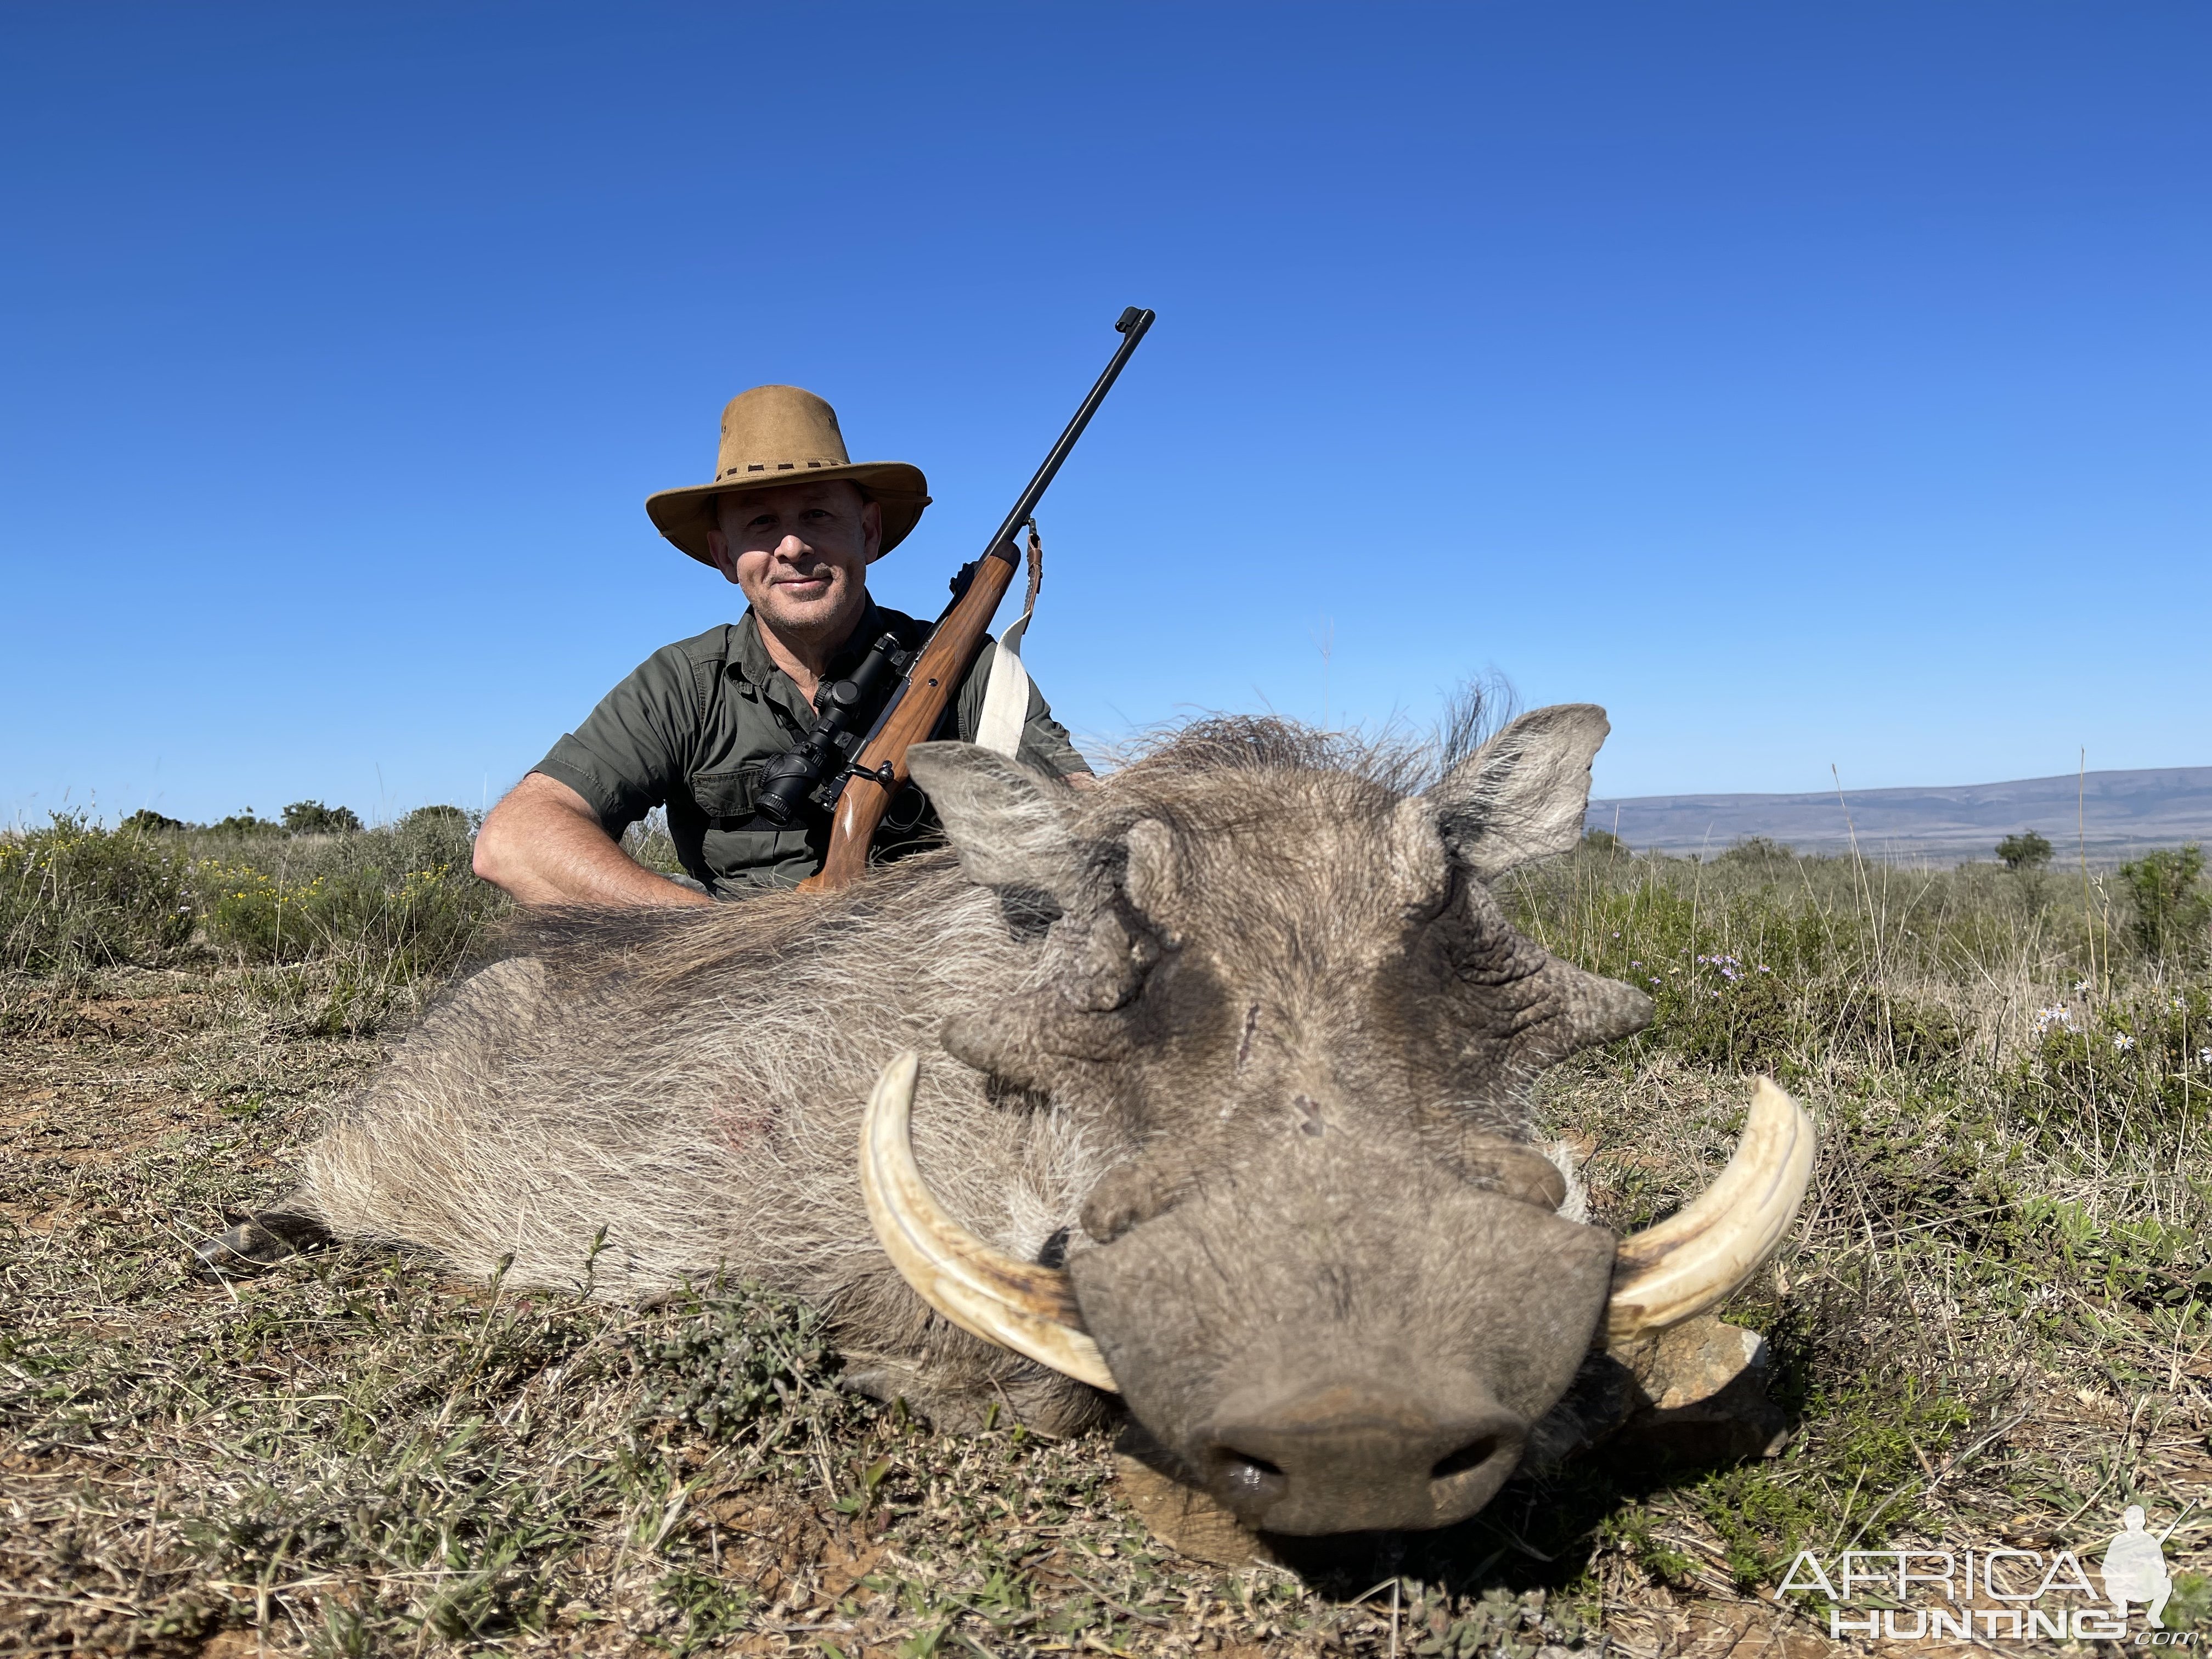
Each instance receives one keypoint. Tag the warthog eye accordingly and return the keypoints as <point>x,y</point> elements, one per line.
<point>1029,912</point>
<point>1446,899</point>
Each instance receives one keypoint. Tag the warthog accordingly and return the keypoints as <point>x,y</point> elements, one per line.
<point>1216,1081</point>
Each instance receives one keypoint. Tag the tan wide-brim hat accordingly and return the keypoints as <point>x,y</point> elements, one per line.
<point>779,435</point>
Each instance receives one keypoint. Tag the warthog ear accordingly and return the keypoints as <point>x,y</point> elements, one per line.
<point>1522,795</point>
<point>1009,825</point>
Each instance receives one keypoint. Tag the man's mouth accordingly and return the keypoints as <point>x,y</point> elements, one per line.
<point>802,588</point>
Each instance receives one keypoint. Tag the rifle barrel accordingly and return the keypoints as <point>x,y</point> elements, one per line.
<point>1131,326</point>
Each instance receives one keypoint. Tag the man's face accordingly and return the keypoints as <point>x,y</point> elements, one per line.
<point>800,552</point>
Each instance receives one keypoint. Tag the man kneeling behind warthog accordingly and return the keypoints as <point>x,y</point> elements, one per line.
<point>1222,1104</point>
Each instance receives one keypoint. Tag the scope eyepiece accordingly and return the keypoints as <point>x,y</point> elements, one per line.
<point>790,779</point>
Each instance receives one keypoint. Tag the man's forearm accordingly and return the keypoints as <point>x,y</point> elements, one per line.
<point>545,845</point>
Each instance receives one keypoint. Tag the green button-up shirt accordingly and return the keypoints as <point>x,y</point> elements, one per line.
<point>692,727</point>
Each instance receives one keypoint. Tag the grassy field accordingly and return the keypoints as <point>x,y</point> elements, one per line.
<point>1993,1328</point>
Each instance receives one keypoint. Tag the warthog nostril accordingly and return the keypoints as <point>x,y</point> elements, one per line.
<point>1472,1455</point>
<point>1247,1477</point>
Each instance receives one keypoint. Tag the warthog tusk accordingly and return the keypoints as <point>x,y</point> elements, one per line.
<point>986,1292</point>
<point>1697,1258</point>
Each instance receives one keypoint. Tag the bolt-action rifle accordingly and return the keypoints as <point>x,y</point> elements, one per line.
<point>854,775</point>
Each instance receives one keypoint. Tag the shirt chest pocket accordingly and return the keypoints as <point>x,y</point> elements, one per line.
<point>725,799</point>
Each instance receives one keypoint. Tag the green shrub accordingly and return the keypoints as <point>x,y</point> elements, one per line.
<point>312,817</point>
<point>253,913</point>
<point>2137,1064</point>
<point>74,896</point>
<point>420,920</point>
<point>346,933</point>
<point>147,822</point>
<point>245,824</point>
<point>2171,908</point>
<point>439,820</point>
<point>395,899</point>
<point>2025,851</point>
<point>437,837</point>
<point>743,1363</point>
<point>1761,853</point>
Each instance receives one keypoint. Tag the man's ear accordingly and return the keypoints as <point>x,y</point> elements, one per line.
<point>718,551</point>
<point>872,528</point>
<point>1522,795</point>
<point>1009,825</point>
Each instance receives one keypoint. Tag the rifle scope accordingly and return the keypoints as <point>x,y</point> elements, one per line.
<point>844,705</point>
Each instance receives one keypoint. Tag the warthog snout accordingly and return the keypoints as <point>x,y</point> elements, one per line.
<point>1344,1337</point>
<point>1353,1459</point>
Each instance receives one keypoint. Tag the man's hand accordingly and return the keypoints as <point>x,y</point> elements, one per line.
<point>543,843</point>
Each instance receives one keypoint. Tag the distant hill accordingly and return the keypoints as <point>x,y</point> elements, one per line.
<point>2121,813</point>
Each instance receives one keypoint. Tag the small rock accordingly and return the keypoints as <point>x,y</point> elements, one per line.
<point>1703,1393</point>
<point>1694,1361</point>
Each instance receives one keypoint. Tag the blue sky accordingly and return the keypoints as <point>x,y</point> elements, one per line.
<point>1811,385</point>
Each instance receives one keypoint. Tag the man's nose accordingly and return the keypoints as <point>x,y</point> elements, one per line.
<point>791,547</point>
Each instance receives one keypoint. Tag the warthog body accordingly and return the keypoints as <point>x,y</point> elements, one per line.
<point>1242,1036</point>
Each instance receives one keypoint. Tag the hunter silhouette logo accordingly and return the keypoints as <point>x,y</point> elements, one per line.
<point>2135,1569</point>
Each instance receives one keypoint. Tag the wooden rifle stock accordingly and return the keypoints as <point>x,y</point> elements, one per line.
<point>880,773</point>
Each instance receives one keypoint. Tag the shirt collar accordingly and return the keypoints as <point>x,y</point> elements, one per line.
<point>751,654</point>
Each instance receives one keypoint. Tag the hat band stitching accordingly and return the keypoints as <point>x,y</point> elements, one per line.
<point>779,466</point>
